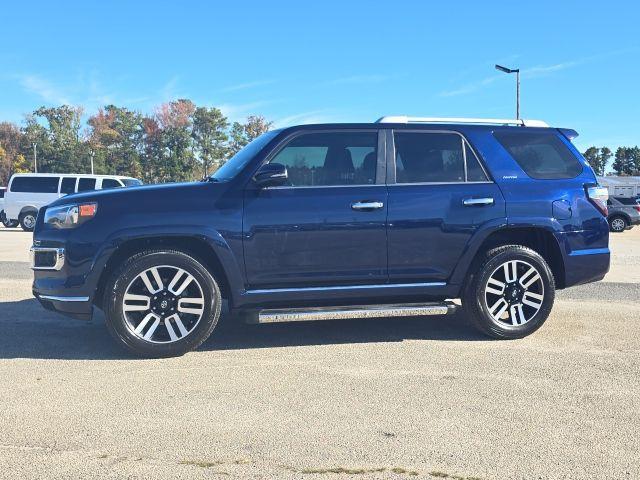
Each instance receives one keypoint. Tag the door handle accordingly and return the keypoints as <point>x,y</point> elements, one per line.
<point>477,202</point>
<point>366,205</point>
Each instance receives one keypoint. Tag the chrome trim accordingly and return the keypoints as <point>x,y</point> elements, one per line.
<point>476,202</point>
<point>63,299</point>
<point>60,255</point>
<point>345,287</point>
<point>367,205</point>
<point>351,312</point>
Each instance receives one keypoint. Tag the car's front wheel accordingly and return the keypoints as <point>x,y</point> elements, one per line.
<point>162,303</point>
<point>511,293</point>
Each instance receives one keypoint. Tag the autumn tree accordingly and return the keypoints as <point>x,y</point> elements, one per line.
<point>210,137</point>
<point>242,134</point>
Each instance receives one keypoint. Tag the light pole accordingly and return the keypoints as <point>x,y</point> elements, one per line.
<point>517,72</point>
<point>92,154</point>
<point>35,158</point>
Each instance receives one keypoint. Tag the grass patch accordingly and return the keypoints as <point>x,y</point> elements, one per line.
<point>438,474</point>
<point>404,471</point>
<point>200,463</point>
<point>343,470</point>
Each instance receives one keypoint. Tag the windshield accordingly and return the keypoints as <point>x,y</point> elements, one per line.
<point>131,182</point>
<point>236,163</point>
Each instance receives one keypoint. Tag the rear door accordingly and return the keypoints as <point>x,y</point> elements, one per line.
<point>327,226</point>
<point>439,194</point>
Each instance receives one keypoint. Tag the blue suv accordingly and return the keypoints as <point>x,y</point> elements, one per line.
<point>404,216</point>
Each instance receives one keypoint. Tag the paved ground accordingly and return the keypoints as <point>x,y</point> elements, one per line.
<point>375,398</point>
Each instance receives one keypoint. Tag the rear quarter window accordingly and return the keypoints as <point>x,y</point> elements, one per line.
<point>542,155</point>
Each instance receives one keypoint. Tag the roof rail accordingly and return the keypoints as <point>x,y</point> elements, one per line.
<point>479,121</point>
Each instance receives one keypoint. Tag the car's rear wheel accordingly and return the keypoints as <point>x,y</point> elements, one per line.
<point>6,222</point>
<point>28,221</point>
<point>511,293</point>
<point>618,224</point>
<point>162,303</point>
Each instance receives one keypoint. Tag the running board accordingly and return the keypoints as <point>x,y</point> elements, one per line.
<point>357,311</point>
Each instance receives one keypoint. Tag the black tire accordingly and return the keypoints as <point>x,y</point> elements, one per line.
<point>475,295</point>
<point>618,224</point>
<point>119,325</point>
<point>27,220</point>
<point>8,223</point>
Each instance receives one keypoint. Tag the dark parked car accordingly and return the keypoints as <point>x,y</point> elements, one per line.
<point>624,213</point>
<point>384,219</point>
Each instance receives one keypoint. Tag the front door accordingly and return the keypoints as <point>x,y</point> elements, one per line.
<point>327,225</point>
<point>439,194</point>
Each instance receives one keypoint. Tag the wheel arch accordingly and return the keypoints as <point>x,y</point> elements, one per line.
<point>538,238</point>
<point>200,247</point>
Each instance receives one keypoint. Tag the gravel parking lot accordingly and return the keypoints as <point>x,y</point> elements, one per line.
<point>388,398</point>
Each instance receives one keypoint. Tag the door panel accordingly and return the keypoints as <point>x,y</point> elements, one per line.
<point>430,226</point>
<point>297,237</point>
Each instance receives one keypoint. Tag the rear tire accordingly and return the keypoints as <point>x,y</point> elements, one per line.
<point>28,221</point>
<point>6,222</point>
<point>511,293</point>
<point>162,303</point>
<point>618,224</point>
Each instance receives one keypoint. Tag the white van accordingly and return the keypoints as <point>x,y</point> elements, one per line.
<point>27,192</point>
<point>5,221</point>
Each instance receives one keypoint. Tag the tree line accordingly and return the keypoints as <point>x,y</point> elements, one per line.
<point>626,160</point>
<point>179,141</point>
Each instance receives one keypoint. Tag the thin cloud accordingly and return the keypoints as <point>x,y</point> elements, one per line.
<point>238,112</point>
<point>470,88</point>
<point>304,118</point>
<point>247,85</point>
<point>44,89</point>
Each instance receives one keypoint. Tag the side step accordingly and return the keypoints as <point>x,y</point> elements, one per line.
<point>357,311</point>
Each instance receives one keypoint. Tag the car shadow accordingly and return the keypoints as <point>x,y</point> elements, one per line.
<point>29,331</point>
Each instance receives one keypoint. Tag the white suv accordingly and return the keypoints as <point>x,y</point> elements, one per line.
<point>28,192</point>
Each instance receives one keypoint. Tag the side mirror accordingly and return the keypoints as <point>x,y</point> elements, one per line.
<point>271,175</point>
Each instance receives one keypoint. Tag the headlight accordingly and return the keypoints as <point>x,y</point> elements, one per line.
<point>70,216</point>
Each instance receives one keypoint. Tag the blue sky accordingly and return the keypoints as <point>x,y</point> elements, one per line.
<point>307,62</point>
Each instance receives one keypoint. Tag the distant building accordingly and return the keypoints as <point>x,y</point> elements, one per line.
<point>621,186</point>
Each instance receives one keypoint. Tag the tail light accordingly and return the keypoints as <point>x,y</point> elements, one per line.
<point>637,207</point>
<point>598,196</point>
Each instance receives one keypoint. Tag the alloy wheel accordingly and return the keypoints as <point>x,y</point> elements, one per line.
<point>618,225</point>
<point>163,304</point>
<point>514,293</point>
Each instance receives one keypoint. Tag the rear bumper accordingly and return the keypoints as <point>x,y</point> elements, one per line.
<point>587,265</point>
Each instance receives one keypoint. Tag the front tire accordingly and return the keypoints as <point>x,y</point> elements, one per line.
<point>27,221</point>
<point>162,303</point>
<point>618,224</point>
<point>511,293</point>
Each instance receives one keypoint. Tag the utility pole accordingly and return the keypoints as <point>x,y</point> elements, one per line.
<point>517,72</point>
<point>35,158</point>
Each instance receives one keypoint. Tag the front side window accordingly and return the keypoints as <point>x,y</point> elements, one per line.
<point>542,155</point>
<point>110,183</point>
<point>68,185</point>
<point>85,184</point>
<point>330,159</point>
<point>35,184</point>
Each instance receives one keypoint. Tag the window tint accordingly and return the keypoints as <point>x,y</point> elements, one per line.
<point>626,201</point>
<point>110,183</point>
<point>541,155</point>
<point>1,192</point>
<point>475,173</point>
<point>332,158</point>
<point>68,185</point>
<point>428,157</point>
<point>85,184</point>
<point>35,184</point>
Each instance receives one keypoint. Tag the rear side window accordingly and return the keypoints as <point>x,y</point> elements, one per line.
<point>68,185</point>
<point>110,183</point>
<point>1,192</point>
<point>85,184</point>
<point>35,184</point>
<point>541,155</point>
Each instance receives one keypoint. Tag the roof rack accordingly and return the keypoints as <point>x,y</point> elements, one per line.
<point>479,121</point>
